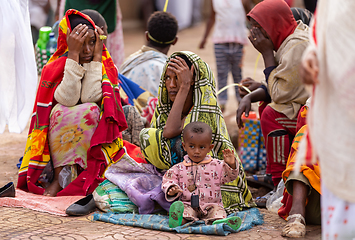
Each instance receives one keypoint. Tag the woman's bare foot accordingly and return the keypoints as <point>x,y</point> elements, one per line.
<point>296,226</point>
<point>299,197</point>
<point>53,189</point>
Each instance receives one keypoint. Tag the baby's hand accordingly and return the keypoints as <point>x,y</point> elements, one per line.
<point>174,190</point>
<point>229,158</point>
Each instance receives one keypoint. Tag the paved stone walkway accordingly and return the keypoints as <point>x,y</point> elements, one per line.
<point>19,223</point>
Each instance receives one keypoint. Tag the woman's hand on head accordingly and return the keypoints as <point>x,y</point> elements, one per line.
<point>75,40</point>
<point>260,42</point>
<point>98,44</point>
<point>178,80</point>
<point>182,71</point>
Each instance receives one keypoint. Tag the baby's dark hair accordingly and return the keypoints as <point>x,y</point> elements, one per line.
<point>162,29</point>
<point>197,127</point>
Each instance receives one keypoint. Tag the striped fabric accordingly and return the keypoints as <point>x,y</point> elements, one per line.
<point>110,198</point>
<point>228,59</point>
<point>310,171</point>
<point>278,131</point>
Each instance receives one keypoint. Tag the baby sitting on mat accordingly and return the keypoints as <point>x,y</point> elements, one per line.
<point>197,180</point>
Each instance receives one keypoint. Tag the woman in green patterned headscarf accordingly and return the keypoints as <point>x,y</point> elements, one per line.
<point>187,93</point>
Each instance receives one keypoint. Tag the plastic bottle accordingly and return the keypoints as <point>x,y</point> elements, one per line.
<point>51,44</point>
<point>55,29</point>
<point>43,37</point>
<point>41,45</point>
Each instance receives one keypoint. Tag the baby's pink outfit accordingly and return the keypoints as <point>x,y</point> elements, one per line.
<point>208,176</point>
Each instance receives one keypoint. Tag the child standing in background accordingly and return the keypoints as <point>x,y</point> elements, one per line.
<point>230,34</point>
<point>197,180</point>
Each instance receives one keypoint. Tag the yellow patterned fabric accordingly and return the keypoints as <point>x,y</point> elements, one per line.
<point>310,171</point>
<point>157,149</point>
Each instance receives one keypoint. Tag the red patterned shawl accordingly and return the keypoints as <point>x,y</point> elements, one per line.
<point>106,143</point>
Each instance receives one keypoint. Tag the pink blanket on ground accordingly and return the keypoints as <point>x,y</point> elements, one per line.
<point>53,205</point>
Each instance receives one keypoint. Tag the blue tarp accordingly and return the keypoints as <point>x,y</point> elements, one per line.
<point>249,218</point>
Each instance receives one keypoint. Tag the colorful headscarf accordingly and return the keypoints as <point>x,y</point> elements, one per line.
<point>276,18</point>
<point>106,143</point>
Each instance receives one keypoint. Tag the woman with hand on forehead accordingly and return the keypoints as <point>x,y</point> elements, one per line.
<point>281,40</point>
<point>76,108</point>
<point>82,44</point>
<point>187,93</point>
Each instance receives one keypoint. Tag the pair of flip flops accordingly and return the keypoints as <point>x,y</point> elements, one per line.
<point>176,216</point>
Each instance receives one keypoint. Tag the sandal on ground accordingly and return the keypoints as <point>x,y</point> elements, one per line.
<point>295,229</point>
<point>261,201</point>
<point>176,214</point>
<point>234,222</point>
<point>82,207</point>
<point>8,190</point>
<point>257,181</point>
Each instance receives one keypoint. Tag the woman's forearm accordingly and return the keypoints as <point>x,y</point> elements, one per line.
<point>68,91</point>
<point>91,90</point>
<point>269,59</point>
<point>257,95</point>
<point>173,126</point>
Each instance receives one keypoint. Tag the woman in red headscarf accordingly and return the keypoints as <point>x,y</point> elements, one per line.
<point>77,118</point>
<point>281,41</point>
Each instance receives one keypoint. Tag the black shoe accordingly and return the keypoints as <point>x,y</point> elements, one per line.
<point>82,207</point>
<point>8,190</point>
